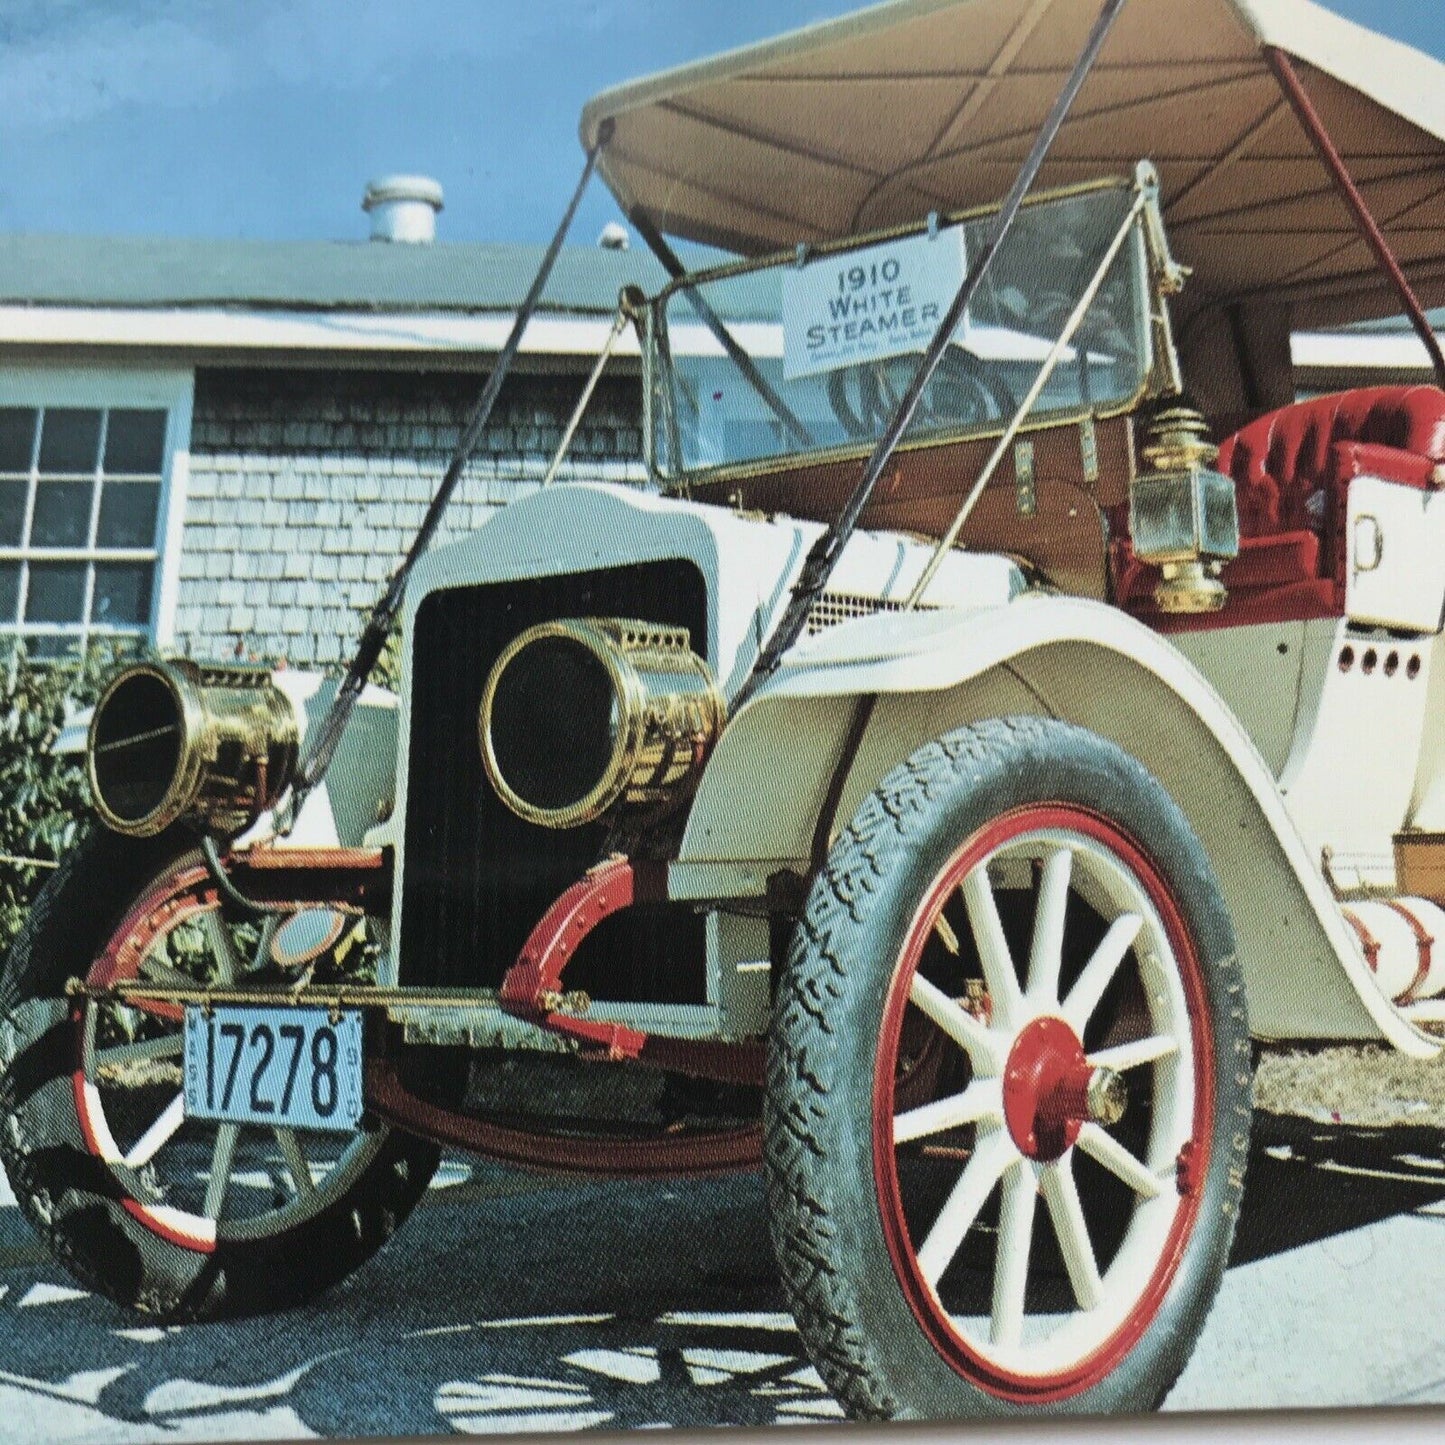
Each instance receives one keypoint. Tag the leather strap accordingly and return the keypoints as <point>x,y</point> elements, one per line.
<point>1368,941</point>
<point>1423,942</point>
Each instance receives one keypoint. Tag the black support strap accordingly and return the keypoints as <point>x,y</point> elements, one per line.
<point>384,613</point>
<point>825,552</point>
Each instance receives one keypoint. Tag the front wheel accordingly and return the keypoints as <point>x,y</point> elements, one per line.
<point>1009,1087</point>
<point>169,1215</point>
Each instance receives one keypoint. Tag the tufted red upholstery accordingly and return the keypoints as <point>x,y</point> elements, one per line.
<point>1292,469</point>
<point>1278,461</point>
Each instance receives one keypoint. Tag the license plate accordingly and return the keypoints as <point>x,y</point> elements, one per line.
<point>296,1068</point>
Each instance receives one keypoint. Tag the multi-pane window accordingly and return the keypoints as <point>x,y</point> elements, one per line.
<point>80,521</point>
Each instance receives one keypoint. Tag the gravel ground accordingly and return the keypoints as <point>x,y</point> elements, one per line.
<point>1356,1084</point>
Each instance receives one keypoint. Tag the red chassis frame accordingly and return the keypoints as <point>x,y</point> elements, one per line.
<point>532,990</point>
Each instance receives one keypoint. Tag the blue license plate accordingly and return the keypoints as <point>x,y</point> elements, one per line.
<point>295,1068</point>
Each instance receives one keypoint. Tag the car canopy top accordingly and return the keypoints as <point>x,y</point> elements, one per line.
<point>916,106</point>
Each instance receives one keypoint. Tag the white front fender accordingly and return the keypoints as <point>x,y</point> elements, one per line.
<point>1078,661</point>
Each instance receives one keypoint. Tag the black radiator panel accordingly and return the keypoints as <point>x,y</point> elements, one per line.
<point>476,877</point>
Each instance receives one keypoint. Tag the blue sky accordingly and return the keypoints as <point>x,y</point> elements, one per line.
<point>264,118</point>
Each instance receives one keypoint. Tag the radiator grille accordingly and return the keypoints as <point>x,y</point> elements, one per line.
<point>476,878</point>
<point>834,607</point>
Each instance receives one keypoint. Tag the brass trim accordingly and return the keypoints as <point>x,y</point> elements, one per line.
<point>1089,450</point>
<point>675,486</point>
<point>330,996</point>
<point>1026,494</point>
<point>788,256</point>
<point>239,740</point>
<point>1177,453</point>
<point>1158,336</point>
<point>663,732</point>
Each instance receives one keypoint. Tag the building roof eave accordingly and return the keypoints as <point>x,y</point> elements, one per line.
<point>277,331</point>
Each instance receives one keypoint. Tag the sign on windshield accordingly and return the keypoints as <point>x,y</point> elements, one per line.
<point>866,305</point>
<point>832,344</point>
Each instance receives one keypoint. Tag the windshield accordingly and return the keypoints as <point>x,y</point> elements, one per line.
<point>825,346</point>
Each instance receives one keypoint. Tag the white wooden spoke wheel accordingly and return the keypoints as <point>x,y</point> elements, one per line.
<point>177,1216</point>
<point>195,1181</point>
<point>1008,1097</point>
<point>1059,1048</point>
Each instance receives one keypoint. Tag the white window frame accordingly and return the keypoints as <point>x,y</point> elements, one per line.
<point>170,389</point>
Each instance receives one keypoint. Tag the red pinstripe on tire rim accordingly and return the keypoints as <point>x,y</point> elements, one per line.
<point>1035,1359</point>
<point>184,1211</point>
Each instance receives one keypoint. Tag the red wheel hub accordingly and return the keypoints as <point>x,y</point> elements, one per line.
<point>1046,1089</point>
<point>1049,1092</point>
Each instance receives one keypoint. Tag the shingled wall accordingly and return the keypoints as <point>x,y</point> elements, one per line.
<point>307,487</point>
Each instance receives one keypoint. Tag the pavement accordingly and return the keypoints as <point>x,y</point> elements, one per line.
<point>511,1303</point>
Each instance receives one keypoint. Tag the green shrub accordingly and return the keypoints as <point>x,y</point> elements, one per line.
<point>44,804</point>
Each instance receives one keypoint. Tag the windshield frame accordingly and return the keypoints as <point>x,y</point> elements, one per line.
<point>658,385</point>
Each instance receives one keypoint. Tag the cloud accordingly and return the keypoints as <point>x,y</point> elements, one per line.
<point>76,61</point>
<point>63,62</point>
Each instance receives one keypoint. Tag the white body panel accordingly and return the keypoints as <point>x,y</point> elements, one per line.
<point>357,790</point>
<point>987,652</point>
<point>1083,662</point>
<point>1395,542</point>
<point>1341,714</point>
<point>1358,744</point>
<point>1262,673</point>
<point>748,565</point>
<point>1427,802</point>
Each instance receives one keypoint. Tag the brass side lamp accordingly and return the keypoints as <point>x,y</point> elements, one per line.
<point>1182,512</point>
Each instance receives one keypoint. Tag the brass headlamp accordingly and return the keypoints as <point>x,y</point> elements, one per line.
<point>212,743</point>
<point>583,715</point>
<point>1182,512</point>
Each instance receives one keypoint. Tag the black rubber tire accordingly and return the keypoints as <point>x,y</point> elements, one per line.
<point>75,1201</point>
<point>818,1153</point>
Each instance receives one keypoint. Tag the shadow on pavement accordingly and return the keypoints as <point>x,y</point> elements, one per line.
<point>1309,1180</point>
<point>511,1304</point>
<point>502,1307</point>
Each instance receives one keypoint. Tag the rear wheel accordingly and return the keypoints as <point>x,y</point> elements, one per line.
<point>174,1216</point>
<point>1009,1088</point>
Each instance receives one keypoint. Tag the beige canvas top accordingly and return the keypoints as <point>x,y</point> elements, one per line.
<point>921,105</point>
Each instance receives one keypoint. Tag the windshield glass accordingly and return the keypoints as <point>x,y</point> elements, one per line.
<point>824,349</point>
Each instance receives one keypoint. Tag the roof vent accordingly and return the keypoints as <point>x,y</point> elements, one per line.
<point>614,237</point>
<point>403,208</point>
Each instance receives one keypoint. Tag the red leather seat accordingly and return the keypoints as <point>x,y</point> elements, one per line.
<point>1292,470</point>
<point>1279,461</point>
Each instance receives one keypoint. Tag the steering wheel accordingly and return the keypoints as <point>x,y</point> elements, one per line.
<point>1100,330</point>
<point>963,391</point>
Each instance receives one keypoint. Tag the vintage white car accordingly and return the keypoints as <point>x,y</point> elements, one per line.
<point>1005,709</point>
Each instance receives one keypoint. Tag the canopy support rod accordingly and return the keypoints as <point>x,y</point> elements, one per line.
<point>383,614</point>
<point>825,552</point>
<point>629,308</point>
<point>1145,197</point>
<point>714,323</point>
<point>1304,108</point>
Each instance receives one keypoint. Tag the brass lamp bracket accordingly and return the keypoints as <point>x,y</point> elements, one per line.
<point>1182,512</point>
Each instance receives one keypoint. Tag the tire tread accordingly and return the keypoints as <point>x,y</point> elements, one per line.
<point>72,1200</point>
<point>804,1079</point>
